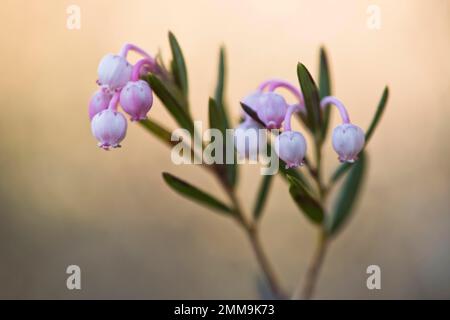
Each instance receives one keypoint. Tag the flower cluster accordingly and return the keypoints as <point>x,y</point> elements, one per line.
<point>120,84</point>
<point>275,113</point>
<point>265,111</point>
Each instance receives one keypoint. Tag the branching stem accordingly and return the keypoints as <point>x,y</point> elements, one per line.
<point>251,229</point>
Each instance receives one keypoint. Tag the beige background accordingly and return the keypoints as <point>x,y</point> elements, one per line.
<point>64,202</point>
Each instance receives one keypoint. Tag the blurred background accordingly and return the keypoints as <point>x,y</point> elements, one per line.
<point>63,201</point>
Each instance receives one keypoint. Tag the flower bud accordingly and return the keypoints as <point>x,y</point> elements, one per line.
<point>247,139</point>
<point>136,99</point>
<point>109,127</point>
<point>114,71</point>
<point>99,101</point>
<point>272,109</point>
<point>290,147</point>
<point>348,141</point>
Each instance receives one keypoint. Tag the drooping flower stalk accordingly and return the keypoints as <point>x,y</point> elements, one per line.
<point>287,119</point>
<point>274,84</point>
<point>151,65</point>
<point>114,103</point>
<point>150,62</point>
<point>330,100</point>
<point>131,47</point>
<point>348,140</point>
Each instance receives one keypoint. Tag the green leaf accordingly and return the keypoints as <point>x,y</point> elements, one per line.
<point>178,65</point>
<point>380,109</point>
<point>305,201</point>
<point>252,114</point>
<point>378,114</point>
<point>348,194</point>
<point>172,103</point>
<point>340,171</point>
<point>195,194</point>
<point>217,121</point>
<point>324,89</point>
<point>220,87</point>
<point>156,129</point>
<point>295,173</point>
<point>164,135</point>
<point>312,100</point>
<point>219,95</point>
<point>262,196</point>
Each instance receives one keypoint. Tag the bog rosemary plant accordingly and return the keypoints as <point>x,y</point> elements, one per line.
<point>132,87</point>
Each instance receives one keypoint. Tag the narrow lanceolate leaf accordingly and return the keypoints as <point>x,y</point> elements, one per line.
<point>164,135</point>
<point>171,101</point>
<point>252,114</point>
<point>157,130</point>
<point>296,173</point>
<point>312,100</point>
<point>380,109</point>
<point>347,195</point>
<point>324,89</point>
<point>195,194</point>
<point>305,201</point>
<point>340,171</point>
<point>178,65</point>
<point>217,121</point>
<point>219,96</point>
<point>262,196</point>
<point>378,114</point>
<point>220,87</point>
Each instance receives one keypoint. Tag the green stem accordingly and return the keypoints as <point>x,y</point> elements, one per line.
<point>252,232</point>
<point>306,290</point>
<point>265,265</point>
<point>318,176</point>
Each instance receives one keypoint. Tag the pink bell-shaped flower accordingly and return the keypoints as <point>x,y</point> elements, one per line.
<point>109,127</point>
<point>269,106</point>
<point>348,140</point>
<point>136,99</point>
<point>252,101</point>
<point>247,140</point>
<point>114,71</point>
<point>290,147</point>
<point>99,101</point>
<point>272,109</point>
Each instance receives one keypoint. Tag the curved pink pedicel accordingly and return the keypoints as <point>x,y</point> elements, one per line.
<point>114,103</point>
<point>131,47</point>
<point>150,60</point>
<point>287,118</point>
<point>335,101</point>
<point>273,84</point>
<point>138,66</point>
